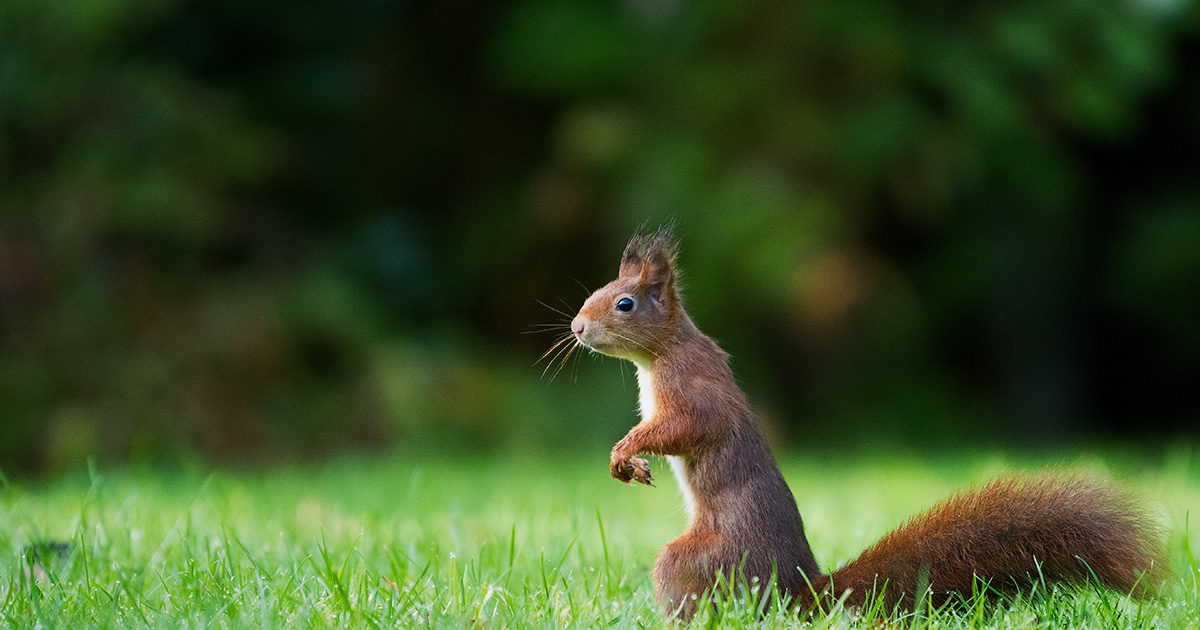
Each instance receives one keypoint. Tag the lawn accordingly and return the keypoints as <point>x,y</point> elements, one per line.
<point>543,541</point>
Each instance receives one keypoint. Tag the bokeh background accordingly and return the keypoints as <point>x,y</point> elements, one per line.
<point>252,231</point>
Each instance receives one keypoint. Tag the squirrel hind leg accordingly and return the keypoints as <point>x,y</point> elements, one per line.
<point>681,573</point>
<point>698,562</point>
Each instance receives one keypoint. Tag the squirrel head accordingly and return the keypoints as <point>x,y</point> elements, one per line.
<point>635,315</point>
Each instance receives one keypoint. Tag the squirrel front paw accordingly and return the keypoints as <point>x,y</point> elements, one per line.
<point>629,469</point>
<point>641,471</point>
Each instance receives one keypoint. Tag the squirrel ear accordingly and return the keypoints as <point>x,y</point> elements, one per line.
<point>658,274</point>
<point>651,259</point>
<point>631,260</point>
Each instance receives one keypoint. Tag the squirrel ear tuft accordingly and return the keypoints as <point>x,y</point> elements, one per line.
<point>631,260</point>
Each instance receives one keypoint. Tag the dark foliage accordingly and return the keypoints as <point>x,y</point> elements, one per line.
<point>280,228</point>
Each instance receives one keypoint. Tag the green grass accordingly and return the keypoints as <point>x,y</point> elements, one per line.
<point>538,542</point>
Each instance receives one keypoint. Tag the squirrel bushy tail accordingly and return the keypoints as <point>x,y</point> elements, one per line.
<point>1065,529</point>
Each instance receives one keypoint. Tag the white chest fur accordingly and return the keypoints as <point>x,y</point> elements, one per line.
<point>647,404</point>
<point>647,407</point>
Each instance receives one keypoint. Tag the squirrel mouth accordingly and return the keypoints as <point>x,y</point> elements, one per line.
<point>594,346</point>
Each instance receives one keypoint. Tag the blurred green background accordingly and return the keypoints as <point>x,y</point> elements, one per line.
<point>250,231</point>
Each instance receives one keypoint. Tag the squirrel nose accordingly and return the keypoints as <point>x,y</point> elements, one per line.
<point>578,325</point>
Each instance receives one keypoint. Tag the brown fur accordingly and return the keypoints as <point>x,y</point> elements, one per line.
<point>745,518</point>
<point>1060,527</point>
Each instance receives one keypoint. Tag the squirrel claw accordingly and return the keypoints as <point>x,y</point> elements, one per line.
<point>641,471</point>
<point>631,470</point>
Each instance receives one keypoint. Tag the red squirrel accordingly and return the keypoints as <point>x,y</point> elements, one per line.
<point>742,516</point>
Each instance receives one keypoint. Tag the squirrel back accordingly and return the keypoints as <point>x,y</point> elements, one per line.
<point>743,518</point>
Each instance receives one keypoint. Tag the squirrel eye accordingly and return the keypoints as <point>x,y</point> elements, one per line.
<point>625,304</point>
